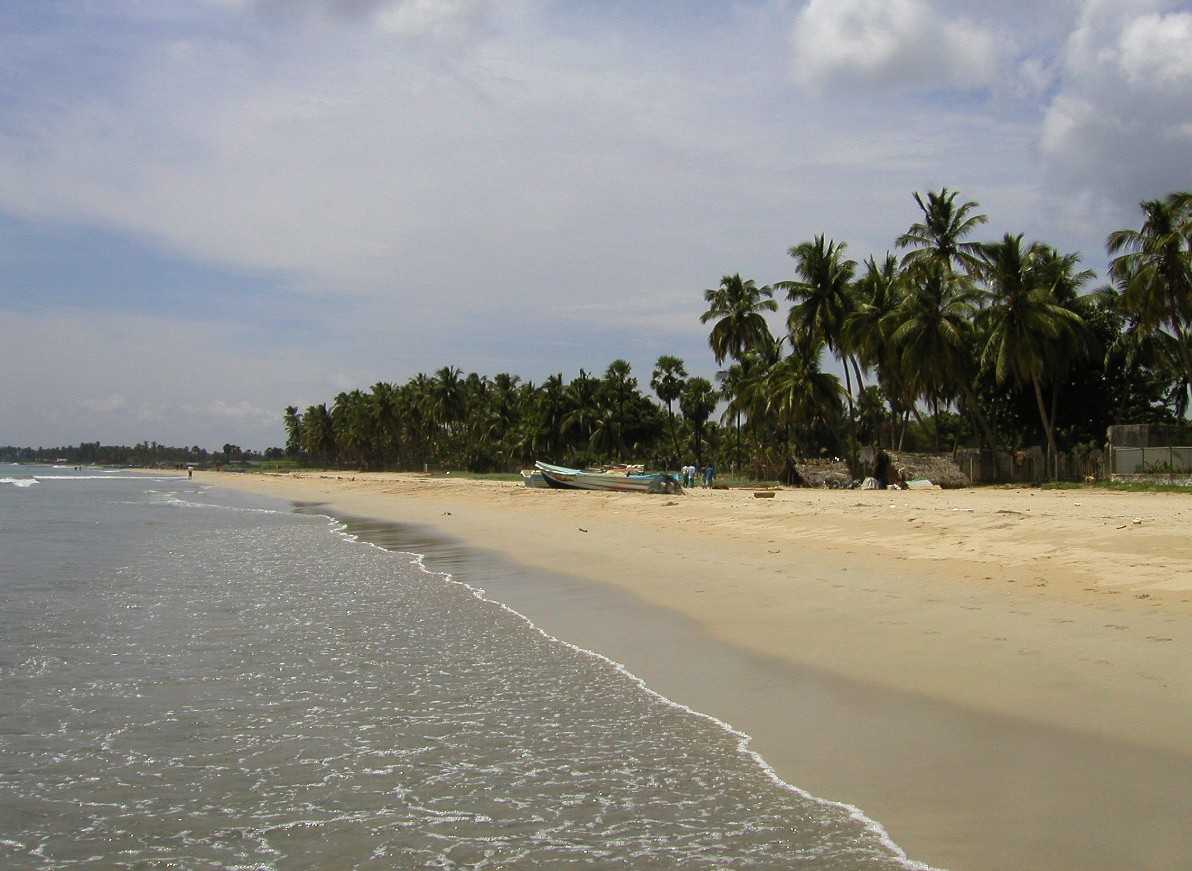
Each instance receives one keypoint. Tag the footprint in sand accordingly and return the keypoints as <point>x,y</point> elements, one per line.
<point>1158,638</point>
<point>1062,620</point>
<point>1117,626</point>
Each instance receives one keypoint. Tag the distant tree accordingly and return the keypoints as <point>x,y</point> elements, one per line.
<point>1153,270</point>
<point>667,383</point>
<point>737,308</point>
<point>620,384</point>
<point>697,402</point>
<point>1024,320</point>
<point>940,235</point>
<point>293,424</point>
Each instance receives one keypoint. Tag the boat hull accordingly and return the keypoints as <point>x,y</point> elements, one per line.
<point>562,478</point>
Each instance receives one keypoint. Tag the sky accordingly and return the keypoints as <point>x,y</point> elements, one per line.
<point>213,209</point>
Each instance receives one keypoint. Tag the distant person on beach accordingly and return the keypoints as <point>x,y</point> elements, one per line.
<point>709,476</point>
<point>190,473</point>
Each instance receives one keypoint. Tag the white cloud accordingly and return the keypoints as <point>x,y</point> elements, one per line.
<point>417,17</point>
<point>891,43</point>
<point>1158,49</point>
<point>1114,131</point>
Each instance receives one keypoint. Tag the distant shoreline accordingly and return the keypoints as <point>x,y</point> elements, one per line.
<point>1002,673</point>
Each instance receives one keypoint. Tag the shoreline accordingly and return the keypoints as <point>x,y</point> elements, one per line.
<point>1036,757</point>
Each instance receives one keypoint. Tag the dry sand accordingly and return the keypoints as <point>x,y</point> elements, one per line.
<point>1001,677</point>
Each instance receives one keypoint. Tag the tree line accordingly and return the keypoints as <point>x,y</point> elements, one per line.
<point>141,454</point>
<point>951,342</point>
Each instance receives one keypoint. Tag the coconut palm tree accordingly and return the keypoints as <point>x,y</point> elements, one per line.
<point>1023,320</point>
<point>447,399</point>
<point>1061,273</point>
<point>733,390</point>
<point>318,437</point>
<point>801,396</point>
<point>737,307</point>
<point>667,380</point>
<point>697,402</point>
<point>620,384</point>
<point>823,301</point>
<point>930,331</point>
<point>1153,268</point>
<point>867,328</point>
<point>820,294</point>
<point>940,235</point>
<point>293,423</point>
<point>384,409</point>
<point>583,408</point>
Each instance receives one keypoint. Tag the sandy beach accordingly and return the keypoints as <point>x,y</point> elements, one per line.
<point>1000,677</point>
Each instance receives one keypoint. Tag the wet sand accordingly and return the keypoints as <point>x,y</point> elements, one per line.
<point>896,651</point>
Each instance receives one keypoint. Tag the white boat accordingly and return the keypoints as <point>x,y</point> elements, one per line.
<point>563,478</point>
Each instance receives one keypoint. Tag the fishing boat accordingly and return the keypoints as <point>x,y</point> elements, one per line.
<point>563,478</point>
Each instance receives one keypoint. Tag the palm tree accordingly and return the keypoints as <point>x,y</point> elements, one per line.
<point>318,437</point>
<point>446,394</point>
<point>583,408</point>
<point>293,423</point>
<point>930,332</point>
<point>1153,268</point>
<point>697,402</point>
<point>1061,273</point>
<point>823,301</point>
<point>352,425</point>
<point>801,396</point>
<point>1024,319</point>
<point>737,308</point>
<point>877,294</point>
<point>383,408</point>
<point>667,383</point>
<point>620,384</point>
<point>733,390</point>
<point>820,293</point>
<point>940,235</point>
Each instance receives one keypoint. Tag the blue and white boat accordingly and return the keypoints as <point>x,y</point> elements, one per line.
<point>560,477</point>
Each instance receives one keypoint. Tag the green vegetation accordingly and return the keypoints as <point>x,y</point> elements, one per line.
<point>1120,486</point>
<point>142,454</point>
<point>996,340</point>
<point>961,342</point>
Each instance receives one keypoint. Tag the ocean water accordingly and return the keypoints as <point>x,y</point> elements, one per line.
<point>191,678</point>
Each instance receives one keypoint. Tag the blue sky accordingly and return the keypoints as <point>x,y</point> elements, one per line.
<point>212,209</point>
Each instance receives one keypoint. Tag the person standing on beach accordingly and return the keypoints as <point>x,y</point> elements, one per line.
<point>709,476</point>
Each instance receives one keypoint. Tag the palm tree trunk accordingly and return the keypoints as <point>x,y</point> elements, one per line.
<point>935,403</point>
<point>737,458</point>
<point>1185,351</point>
<point>979,416</point>
<point>857,370</point>
<point>674,432</point>
<point>850,448</point>
<point>1043,418</point>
